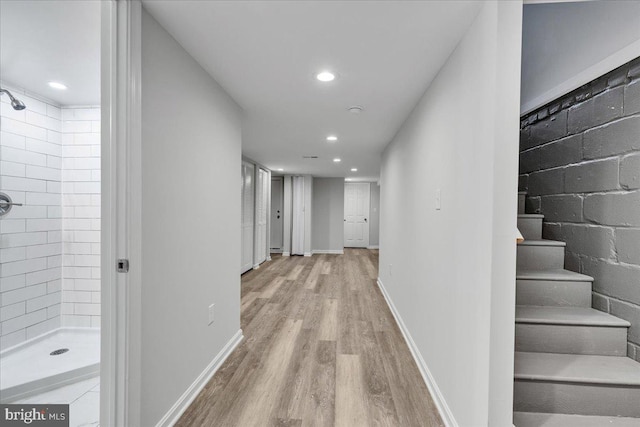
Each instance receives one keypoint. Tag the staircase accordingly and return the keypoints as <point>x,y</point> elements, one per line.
<point>571,367</point>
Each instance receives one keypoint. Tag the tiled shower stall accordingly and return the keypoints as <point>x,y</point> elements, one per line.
<point>50,246</point>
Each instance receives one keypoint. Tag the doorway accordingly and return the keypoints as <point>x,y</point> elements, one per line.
<point>277,207</point>
<point>356,214</point>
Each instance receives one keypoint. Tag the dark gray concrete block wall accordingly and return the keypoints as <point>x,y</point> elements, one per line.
<point>580,163</point>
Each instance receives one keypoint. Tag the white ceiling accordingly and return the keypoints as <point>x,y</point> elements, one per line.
<point>45,40</point>
<point>266,54</point>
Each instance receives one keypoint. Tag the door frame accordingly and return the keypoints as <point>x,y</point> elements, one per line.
<point>120,358</point>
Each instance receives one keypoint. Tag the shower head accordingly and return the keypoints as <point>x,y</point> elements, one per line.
<point>15,103</point>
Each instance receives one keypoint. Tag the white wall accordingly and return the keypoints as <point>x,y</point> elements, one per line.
<point>191,154</point>
<point>566,45</point>
<point>327,228</point>
<point>451,273</point>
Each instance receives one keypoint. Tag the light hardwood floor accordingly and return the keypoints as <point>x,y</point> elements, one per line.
<point>321,348</point>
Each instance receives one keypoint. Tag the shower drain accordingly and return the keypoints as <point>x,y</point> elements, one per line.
<point>58,351</point>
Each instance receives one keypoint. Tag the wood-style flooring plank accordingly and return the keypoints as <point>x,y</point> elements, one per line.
<point>321,348</point>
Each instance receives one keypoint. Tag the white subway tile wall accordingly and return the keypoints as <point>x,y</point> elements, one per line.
<point>30,244</point>
<point>81,217</point>
<point>49,248</point>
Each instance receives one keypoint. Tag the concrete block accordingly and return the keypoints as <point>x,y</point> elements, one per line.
<point>547,130</point>
<point>617,76</point>
<point>599,175</point>
<point>631,351</point>
<point>593,241</point>
<point>598,110</point>
<point>550,181</point>
<point>598,86</point>
<point>618,209</point>
<point>532,204</point>
<point>551,230</point>
<point>525,138</point>
<point>572,261</point>
<point>632,98</point>
<point>561,152</point>
<point>630,313</point>
<point>599,302</point>
<point>634,69</point>
<point>628,245</point>
<point>614,280</point>
<point>562,208</point>
<point>529,160</point>
<point>621,136</point>
<point>523,182</point>
<point>630,172</point>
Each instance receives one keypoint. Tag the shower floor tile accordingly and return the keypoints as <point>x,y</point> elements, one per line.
<point>32,361</point>
<point>82,397</point>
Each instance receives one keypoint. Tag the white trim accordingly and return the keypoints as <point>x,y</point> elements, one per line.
<point>438,398</point>
<point>256,266</point>
<point>286,253</point>
<point>373,247</point>
<point>269,257</point>
<point>610,63</point>
<point>307,254</point>
<point>181,405</point>
<point>553,1</point>
<point>121,69</point>
<point>328,251</point>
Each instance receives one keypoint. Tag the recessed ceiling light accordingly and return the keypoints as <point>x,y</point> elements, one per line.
<point>58,85</point>
<point>337,160</point>
<point>354,169</point>
<point>356,109</point>
<point>332,138</point>
<point>325,76</point>
<point>348,179</point>
<point>279,169</point>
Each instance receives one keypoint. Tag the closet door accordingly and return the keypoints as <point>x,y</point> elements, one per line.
<point>247,216</point>
<point>262,200</point>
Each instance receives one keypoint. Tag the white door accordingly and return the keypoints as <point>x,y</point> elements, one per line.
<point>277,207</point>
<point>247,216</point>
<point>262,200</point>
<point>356,214</point>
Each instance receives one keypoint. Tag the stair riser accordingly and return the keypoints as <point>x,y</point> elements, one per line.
<point>576,398</point>
<point>540,257</point>
<point>598,340</point>
<point>531,228</point>
<point>554,293</point>
<point>521,203</point>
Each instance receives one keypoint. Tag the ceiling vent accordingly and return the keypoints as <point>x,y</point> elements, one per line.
<point>309,157</point>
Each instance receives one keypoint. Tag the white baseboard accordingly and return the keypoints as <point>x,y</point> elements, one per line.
<point>438,398</point>
<point>256,266</point>
<point>269,258</point>
<point>307,254</point>
<point>286,254</point>
<point>181,405</point>
<point>373,247</point>
<point>275,251</point>
<point>328,251</point>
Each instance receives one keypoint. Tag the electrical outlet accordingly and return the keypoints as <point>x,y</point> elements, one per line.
<point>211,311</point>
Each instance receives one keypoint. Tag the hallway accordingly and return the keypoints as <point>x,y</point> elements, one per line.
<point>321,348</point>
